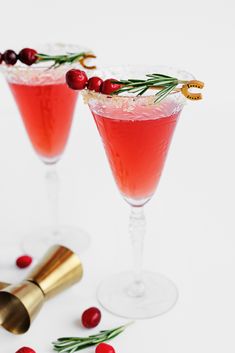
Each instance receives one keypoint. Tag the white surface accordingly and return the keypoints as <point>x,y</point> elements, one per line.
<point>190,219</point>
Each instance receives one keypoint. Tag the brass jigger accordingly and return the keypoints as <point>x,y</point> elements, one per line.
<point>19,304</point>
<point>4,285</point>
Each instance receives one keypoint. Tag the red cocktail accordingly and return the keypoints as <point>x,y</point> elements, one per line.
<point>136,132</point>
<point>136,149</point>
<point>47,112</point>
<point>47,106</point>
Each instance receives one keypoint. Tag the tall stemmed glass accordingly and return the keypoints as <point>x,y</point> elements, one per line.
<point>47,106</point>
<point>136,134</point>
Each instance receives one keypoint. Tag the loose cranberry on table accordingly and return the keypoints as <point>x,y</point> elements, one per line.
<point>109,86</point>
<point>104,348</point>
<point>24,261</point>
<point>25,350</point>
<point>94,84</point>
<point>91,317</point>
<point>10,57</point>
<point>76,79</point>
<point>1,58</point>
<point>27,56</point>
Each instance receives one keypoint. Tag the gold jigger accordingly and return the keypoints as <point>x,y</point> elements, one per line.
<point>59,269</point>
<point>19,304</point>
<point>3,285</point>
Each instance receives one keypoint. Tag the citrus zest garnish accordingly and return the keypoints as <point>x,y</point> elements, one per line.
<point>84,58</point>
<point>192,84</point>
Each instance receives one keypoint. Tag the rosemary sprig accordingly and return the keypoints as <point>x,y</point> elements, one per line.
<point>74,344</point>
<point>164,84</point>
<point>65,58</point>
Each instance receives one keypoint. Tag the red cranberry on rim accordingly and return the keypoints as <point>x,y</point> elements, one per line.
<point>109,86</point>
<point>91,317</point>
<point>104,348</point>
<point>76,79</point>
<point>27,56</point>
<point>94,84</point>
<point>25,350</point>
<point>10,57</point>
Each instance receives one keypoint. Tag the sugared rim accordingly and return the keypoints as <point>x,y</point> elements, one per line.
<point>101,97</point>
<point>37,67</point>
<point>42,75</point>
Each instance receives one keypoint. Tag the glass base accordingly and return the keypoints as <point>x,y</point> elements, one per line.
<point>50,160</point>
<point>38,242</point>
<point>119,295</point>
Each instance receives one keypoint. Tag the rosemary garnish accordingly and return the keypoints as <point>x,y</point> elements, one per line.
<point>74,344</point>
<point>164,84</point>
<point>66,58</point>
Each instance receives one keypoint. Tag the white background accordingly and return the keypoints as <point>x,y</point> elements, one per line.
<point>190,219</point>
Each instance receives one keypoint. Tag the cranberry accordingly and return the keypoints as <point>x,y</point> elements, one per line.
<point>94,84</point>
<point>1,58</point>
<point>25,350</point>
<point>109,86</point>
<point>27,56</point>
<point>91,317</point>
<point>104,348</point>
<point>10,57</point>
<point>24,261</point>
<point>76,79</point>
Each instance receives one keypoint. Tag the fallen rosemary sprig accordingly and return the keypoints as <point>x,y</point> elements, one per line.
<point>66,58</point>
<point>164,84</point>
<point>74,344</point>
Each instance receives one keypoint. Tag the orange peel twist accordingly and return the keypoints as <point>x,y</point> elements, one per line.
<point>83,61</point>
<point>192,84</point>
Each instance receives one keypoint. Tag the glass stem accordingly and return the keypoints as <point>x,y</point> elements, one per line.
<point>137,229</point>
<point>52,185</point>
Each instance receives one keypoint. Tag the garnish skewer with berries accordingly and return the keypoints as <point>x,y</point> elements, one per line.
<point>30,56</point>
<point>163,84</point>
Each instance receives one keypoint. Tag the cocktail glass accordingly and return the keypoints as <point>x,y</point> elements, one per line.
<point>136,134</point>
<point>46,106</point>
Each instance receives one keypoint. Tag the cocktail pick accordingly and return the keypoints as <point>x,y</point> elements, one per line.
<point>20,303</point>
